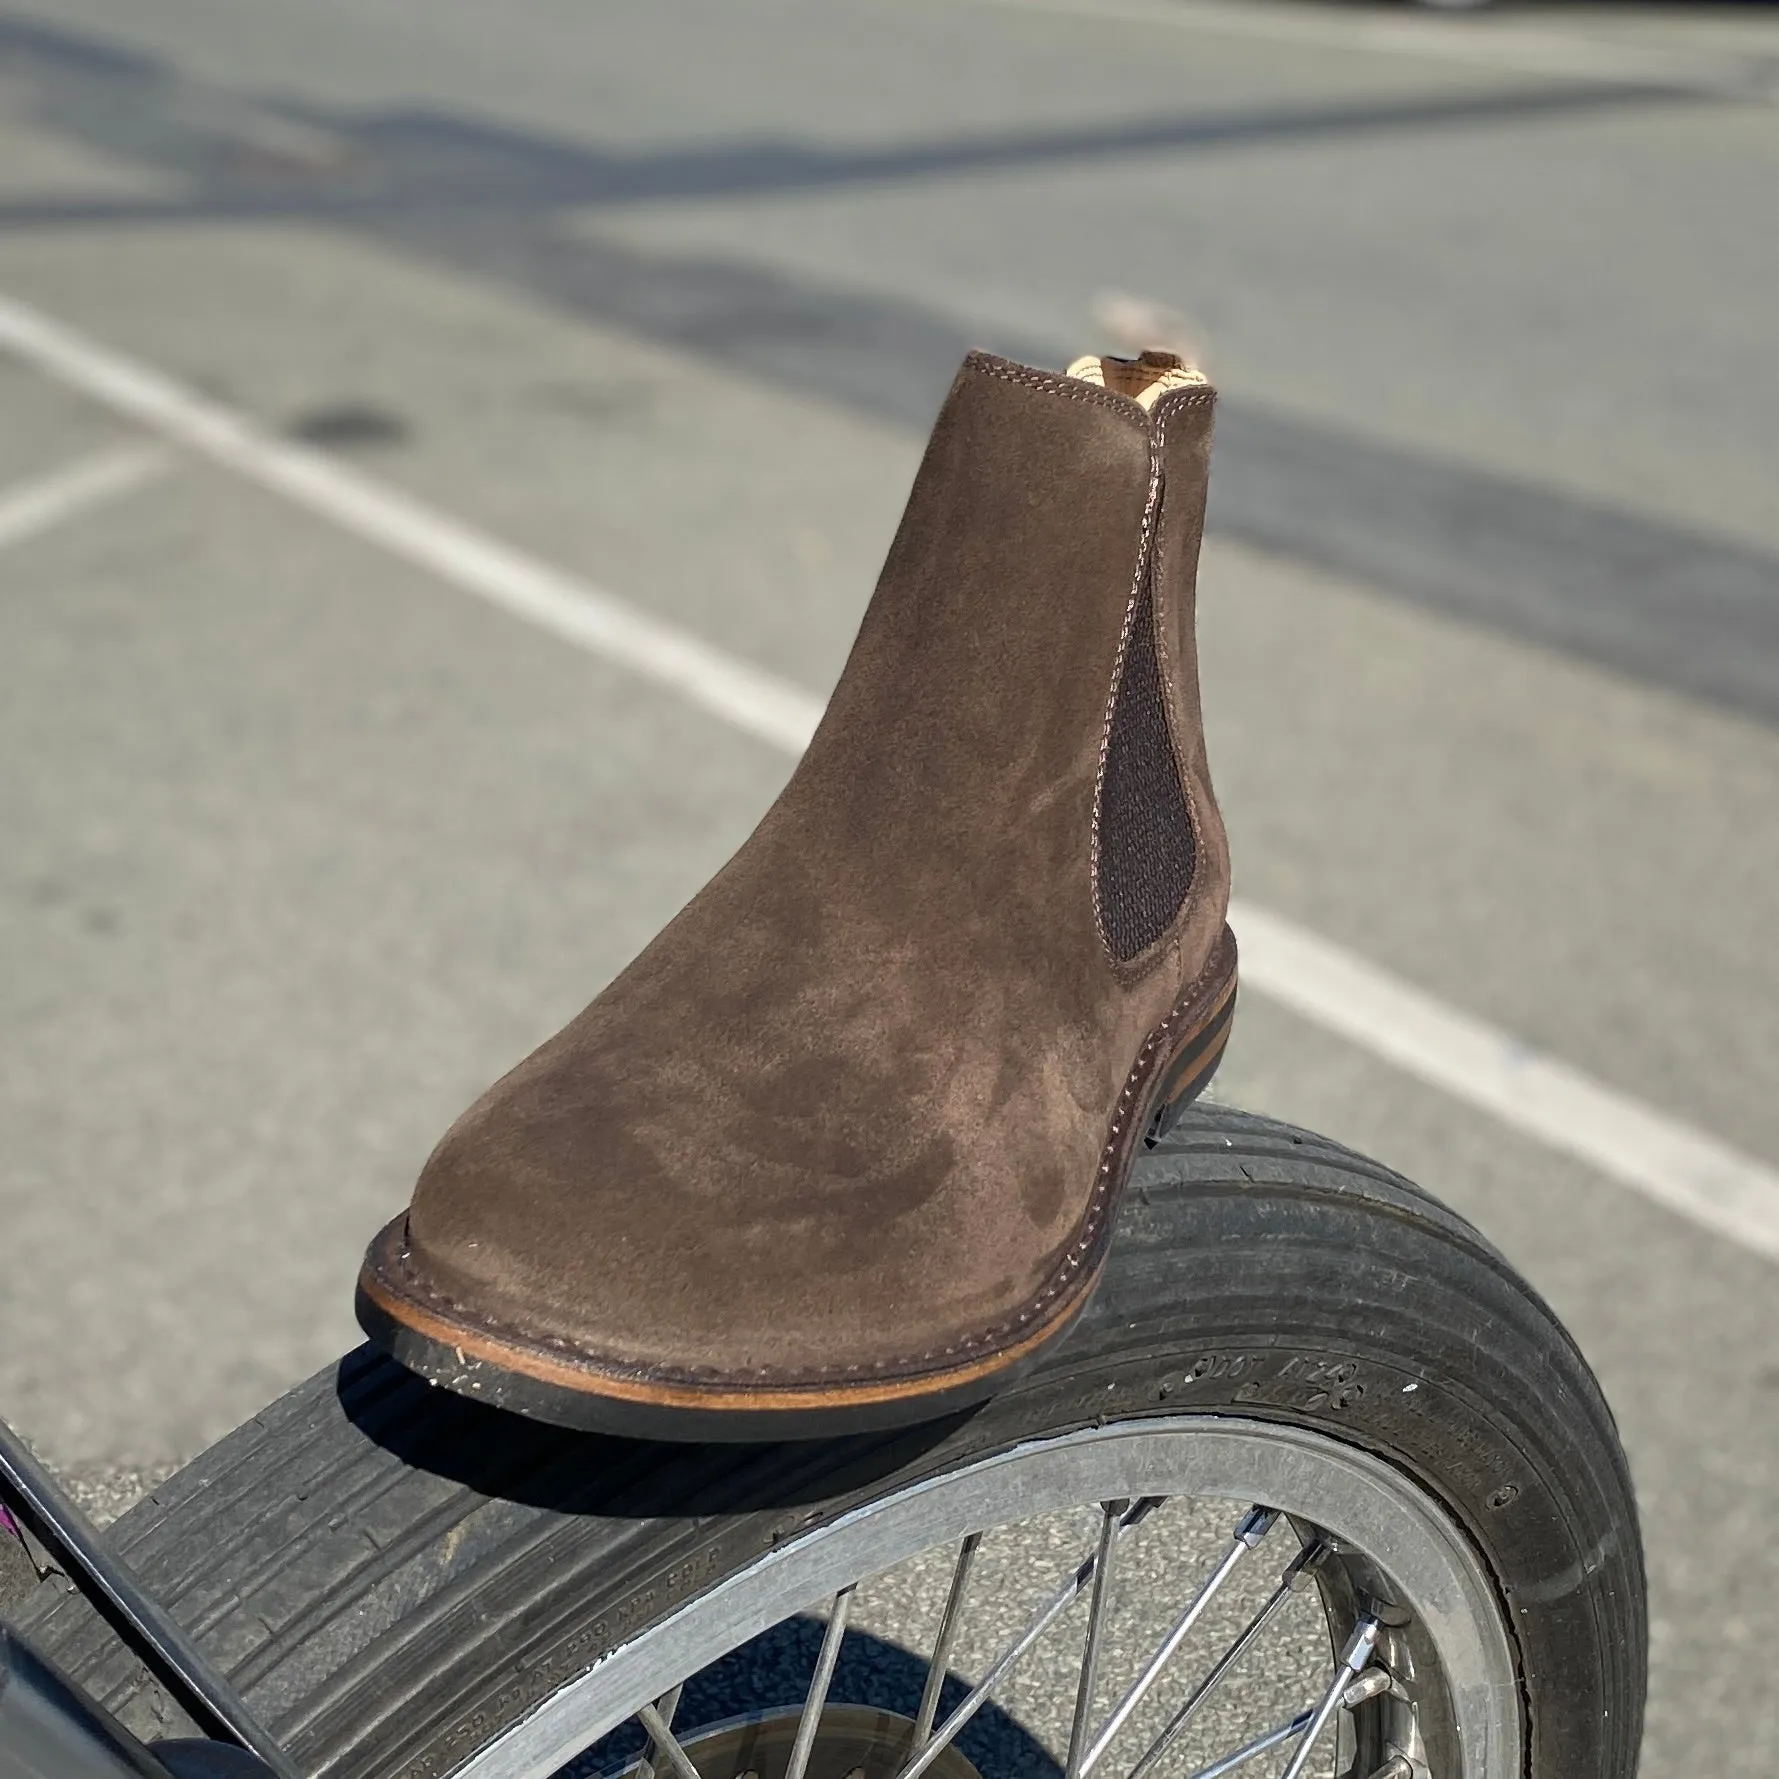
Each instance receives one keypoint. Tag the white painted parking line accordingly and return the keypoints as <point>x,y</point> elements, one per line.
<point>1665,1160</point>
<point>1726,1192</point>
<point>570,608</point>
<point>28,509</point>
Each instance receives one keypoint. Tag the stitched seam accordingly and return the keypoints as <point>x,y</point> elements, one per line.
<point>1049,383</point>
<point>1151,507</point>
<point>1170,713</point>
<point>1063,1275</point>
<point>1135,968</point>
<point>1197,395</point>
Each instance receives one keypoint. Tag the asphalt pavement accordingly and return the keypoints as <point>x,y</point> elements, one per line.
<point>304,843</point>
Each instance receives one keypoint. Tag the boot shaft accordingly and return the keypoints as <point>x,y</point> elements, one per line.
<point>1020,711</point>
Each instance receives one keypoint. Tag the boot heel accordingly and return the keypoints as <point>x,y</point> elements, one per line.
<point>1189,1070</point>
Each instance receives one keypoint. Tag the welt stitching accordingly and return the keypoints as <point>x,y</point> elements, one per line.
<point>1061,1279</point>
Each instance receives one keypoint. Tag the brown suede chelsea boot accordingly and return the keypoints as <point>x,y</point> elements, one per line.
<point>843,1147</point>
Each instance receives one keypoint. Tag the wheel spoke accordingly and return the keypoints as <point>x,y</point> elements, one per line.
<point>1359,1652</point>
<point>1259,1745</point>
<point>1398,1766</point>
<point>940,1665</point>
<point>1250,1530</point>
<point>1300,1565</point>
<point>1346,1690</point>
<point>666,1742</point>
<point>818,1685</point>
<point>667,1704</point>
<point>1053,1609</point>
<point>1090,1647</point>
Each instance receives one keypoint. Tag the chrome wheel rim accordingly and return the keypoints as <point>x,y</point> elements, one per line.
<point>1401,1577</point>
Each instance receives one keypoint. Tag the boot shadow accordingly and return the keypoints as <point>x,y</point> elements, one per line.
<point>494,1453</point>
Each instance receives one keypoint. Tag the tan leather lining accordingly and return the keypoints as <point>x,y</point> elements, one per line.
<point>1145,379</point>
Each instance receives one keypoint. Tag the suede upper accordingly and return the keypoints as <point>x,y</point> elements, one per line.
<point>847,1112</point>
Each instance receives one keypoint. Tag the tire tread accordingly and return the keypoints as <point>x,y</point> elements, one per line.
<point>374,1561</point>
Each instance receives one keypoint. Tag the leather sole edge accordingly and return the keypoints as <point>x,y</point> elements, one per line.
<point>530,1380</point>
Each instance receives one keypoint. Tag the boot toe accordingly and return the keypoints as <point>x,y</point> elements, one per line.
<point>686,1301</point>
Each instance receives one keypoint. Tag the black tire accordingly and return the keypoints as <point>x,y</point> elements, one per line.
<point>394,1575</point>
